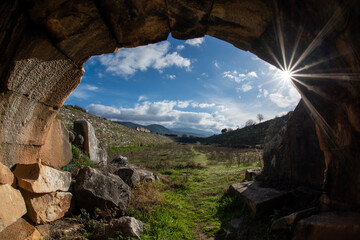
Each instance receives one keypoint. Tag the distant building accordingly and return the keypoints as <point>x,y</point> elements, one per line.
<point>141,129</point>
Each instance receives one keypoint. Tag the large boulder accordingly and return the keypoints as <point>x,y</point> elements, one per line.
<point>47,207</point>
<point>329,226</point>
<point>39,178</point>
<point>12,206</point>
<point>91,144</point>
<point>146,176</point>
<point>120,160</point>
<point>6,176</point>
<point>105,191</point>
<point>56,152</point>
<point>20,230</point>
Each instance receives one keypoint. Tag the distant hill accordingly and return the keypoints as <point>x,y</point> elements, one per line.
<point>255,135</point>
<point>191,132</point>
<point>156,128</point>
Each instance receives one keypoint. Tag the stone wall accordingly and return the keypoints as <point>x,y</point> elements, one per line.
<point>293,157</point>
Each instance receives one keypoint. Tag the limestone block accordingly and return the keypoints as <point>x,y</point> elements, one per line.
<point>136,22</point>
<point>12,205</point>
<point>260,199</point>
<point>24,120</point>
<point>289,221</point>
<point>39,178</point>
<point>20,230</point>
<point>79,30</point>
<point>6,176</point>
<point>53,75</point>
<point>102,190</point>
<point>56,152</point>
<point>12,153</point>
<point>48,207</point>
<point>188,19</point>
<point>91,144</point>
<point>239,22</point>
<point>329,226</point>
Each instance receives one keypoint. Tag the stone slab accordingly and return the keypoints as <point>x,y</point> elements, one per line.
<point>260,199</point>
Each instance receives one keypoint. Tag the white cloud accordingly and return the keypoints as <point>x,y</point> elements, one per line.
<point>141,98</point>
<point>239,77</point>
<point>195,42</point>
<point>216,64</point>
<point>287,99</point>
<point>171,76</point>
<point>84,91</point>
<point>183,104</point>
<point>162,112</point>
<point>205,74</point>
<point>128,61</point>
<point>244,88</point>
<point>180,47</point>
<point>266,93</point>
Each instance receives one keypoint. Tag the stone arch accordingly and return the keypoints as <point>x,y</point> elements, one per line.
<point>44,45</point>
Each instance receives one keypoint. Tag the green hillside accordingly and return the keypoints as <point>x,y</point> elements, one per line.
<point>111,134</point>
<point>255,135</point>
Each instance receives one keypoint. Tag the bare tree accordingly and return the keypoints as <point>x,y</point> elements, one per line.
<point>250,122</point>
<point>260,117</point>
<point>224,130</point>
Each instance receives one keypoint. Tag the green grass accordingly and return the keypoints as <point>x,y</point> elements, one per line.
<point>194,200</point>
<point>79,158</point>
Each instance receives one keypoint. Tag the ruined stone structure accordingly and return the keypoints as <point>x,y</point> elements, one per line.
<point>44,44</point>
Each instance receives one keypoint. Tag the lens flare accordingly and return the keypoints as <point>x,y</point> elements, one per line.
<point>286,75</point>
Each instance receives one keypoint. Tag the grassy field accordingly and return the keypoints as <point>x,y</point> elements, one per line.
<point>191,200</point>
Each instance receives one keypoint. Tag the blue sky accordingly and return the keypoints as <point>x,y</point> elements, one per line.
<point>202,83</point>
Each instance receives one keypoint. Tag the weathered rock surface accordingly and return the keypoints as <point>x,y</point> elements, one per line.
<point>12,206</point>
<point>129,226</point>
<point>48,207</point>
<point>250,174</point>
<point>260,199</point>
<point>20,230</point>
<point>56,152</point>
<point>146,175</point>
<point>329,226</point>
<point>129,175</point>
<point>121,160</point>
<point>91,144</point>
<point>6,176</point>
<point>136,22</point>
<point>105,191</point>
<point>39,178</point>
<point>288,222</point>
<point>284,155</point>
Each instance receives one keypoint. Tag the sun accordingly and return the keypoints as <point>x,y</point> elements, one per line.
<point>286,75</point>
